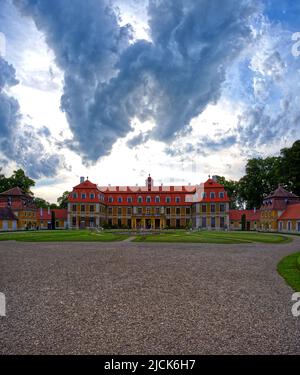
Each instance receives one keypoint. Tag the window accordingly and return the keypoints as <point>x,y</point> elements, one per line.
<point>92,221</point>
<point>188,210</point>
<point>92,208</point>
<point>74,195</point>
<point>168,223</point>
<point>212,208</point>
<point>213,222</point>
<point>298,226</point>
<point>140,210</point>
<point>177,199</point>
<point>140,199</point>
<point>129,223</point>
<point>221,194</point>
<point>289,226</point>
<point>110,199</point>
<point>74,207</point>
<point>148,199</point>
<point>129,199</point>
<point>92,196</point>
<point>129,210</point>
<point>82,208</point>
<point>120,199</point>
<point>157,211</point>
<point>204,222</point>
<point>168,199</point>
<point>83,195</point>
<point>119,211</point>
<point>222,207</point>
<point>203,195</point>
<point>147,210</point>
<point>168,210</point>
<point>203,207</point>
<point>157,199</point>
<point>110,210</point>
<point>177,210</point>
<point>212,195</point>
<point>74,221</point>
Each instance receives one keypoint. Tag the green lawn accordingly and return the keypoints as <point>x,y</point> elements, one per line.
<point>62,235</point>
<point>289,269</point>
<point>213,237</point>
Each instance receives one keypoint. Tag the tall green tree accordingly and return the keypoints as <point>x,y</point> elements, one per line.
<point>290,167</point>
<point>41,203</point>
<point>232,188</point>
<point>63,200</point>
<point>262,176</point>
<point>18,178</point>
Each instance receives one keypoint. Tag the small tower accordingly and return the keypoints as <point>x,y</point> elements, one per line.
<point>149,182</point>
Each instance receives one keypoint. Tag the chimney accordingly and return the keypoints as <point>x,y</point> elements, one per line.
<point>81,179</point>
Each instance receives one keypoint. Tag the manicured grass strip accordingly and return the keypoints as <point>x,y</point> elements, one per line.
<point>213,237</point>
<point>62,236</point>
<point>289,269</point>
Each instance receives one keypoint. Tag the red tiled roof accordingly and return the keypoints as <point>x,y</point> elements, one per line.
<point>14,191</point>
<point>210,183</point>
<point>86,185</point>
<point>280,192</point>
<point>250,215</point>
<point>43,214</point>
<point>292,212</point>
<point>7,214</point>
<point>61,213</point>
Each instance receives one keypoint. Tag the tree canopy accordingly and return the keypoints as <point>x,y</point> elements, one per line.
<point>18,178</point>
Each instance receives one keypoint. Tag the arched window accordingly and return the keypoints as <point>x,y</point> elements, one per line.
<point>157,199</point>
<point>120,199</point>
<point>140,199</point>
<point>148,199</point>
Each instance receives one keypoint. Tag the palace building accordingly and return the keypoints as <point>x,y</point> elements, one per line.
<point>149,207</point>
<point>22,206</point>
<point>274,205</point>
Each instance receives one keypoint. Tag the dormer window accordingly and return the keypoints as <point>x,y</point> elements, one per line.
<point>177,199</point>
<point>120,199</point>
<point>221,194</point>
<point>110,199</point>
<point>83,195</point>
<point>148,199</point>
<point>140,199</point>
<point>168,199</point>
<point>212,195</point>
<point>92,196</point>
<point>157,199</point>
<point>74,195</point>
<point>129,199</point>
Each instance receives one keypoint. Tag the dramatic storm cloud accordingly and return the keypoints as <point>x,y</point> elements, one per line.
<point>18,143</point>
<point>109,79</point>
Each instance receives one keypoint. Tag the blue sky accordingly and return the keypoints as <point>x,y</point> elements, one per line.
<point>118,89</point>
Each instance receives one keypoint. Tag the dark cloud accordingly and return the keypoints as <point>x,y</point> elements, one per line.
<point>18,143</point>
<point>138,139</point>
<point>109,79</point>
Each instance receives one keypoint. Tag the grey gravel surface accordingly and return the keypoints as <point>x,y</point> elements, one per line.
<point>135,298</point>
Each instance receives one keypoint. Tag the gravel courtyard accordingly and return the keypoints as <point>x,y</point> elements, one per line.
<point>143,298</point>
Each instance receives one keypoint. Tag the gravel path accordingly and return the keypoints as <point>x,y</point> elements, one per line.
<point>143,298</point>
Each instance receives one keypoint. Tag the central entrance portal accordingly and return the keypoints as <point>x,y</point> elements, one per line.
<point>157,223</point>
